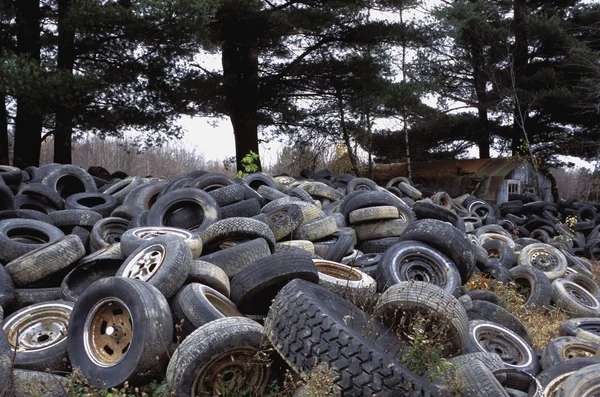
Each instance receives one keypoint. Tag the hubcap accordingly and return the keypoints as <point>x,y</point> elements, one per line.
<point>146,263</point>
<point>39,327</point>
<point>108,332</point>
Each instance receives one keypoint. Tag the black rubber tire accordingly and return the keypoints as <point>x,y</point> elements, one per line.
<point>315,230</point>
<point>26,383</point>
<point>487,311</point>
<point>377,246</point>
<point>357,200</point>
<point>134,237</point>
<point>34,323</point>
<point>147,354</point>
<point>338,250</point>
<point>228,194</point>
<point>380,229</point>
<point>168,273</point>
<point>415,260</point>
<point>122,188</point>
<point>546,258</point>
<point>234,259</point>
<point>24,297</point>
<point>68,180</point>
<point>41,192</point>
<point>228,344</point>
<point>444,316</point>
<point>497,271</point>
<point>66,220</point>
<point>231,230</point>
<point>245,208</point>
<point>565,348</point>
<point>574,299</point>
<point>209,275</point>
<point>196,305</point>
<point>585,381</point>
<point>484,295</point>
<point>205,209</point>
<point>102,203</point>
<point>512,349</point>
<point>426,210</point>
<point>46,261</point>
<point>585,282</point>
<point>498,249</point>
<point>447,239</point>
<point>7,288</point>
<point>257,179</point>
<point>254,287</point>
<point>284,219</point>
<point>145,195</point>
<point>309,325</point>
<point>26,214</point>
<point>20,236</point>
<point>475,379</point>
<point>84,275</point>
<point>552,378</point>
<point>535,285</point>
<point>107,231</point>
<point>210,182</point>
<point>7,371</point>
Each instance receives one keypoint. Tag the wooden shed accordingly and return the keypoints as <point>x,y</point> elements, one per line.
<point>489,179</point>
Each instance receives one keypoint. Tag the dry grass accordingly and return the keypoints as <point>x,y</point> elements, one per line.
<point>542,324</point>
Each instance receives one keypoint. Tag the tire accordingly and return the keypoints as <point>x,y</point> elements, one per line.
<point>66,220</point>
<point>487,311</point>
<point>350,283</point>
<point>107,231</point>
<point>38,335</point>
<point>121,189</point>
<point>377,246</point>
<point>39,191</point>
<point>587,328</point>
<point>489,337</point>
<point>245,208</point>
<point>358,184</point>
<point>26,214</point>
<point>340,248</point>
<point>163,262</point>
<point>227,195</point>
<point>101,203</point>
<point>447,239</point>
<point>309,325</point>
<point>68,180</point>
<point>20,236</point>
<point>316,229</point>
<point>46,261</point>
<point>228,231</point>
<point>236,258</point>
<point>197,304</point>
<point>546,258</point>
<point>565,348</point>
<point>410,191</point>
<point>380,229</point>
<point>254,287</point>
<point>210,182</point>
<point>551,379</point>
<point>498,272</point>
<point>85,274</point>
<point>215,351</point>
<point>442,317</point>
<point>499,250</point>
<point>133,238</point>
<point>585,282</point>
<point>209,275</point>
<point>7,289</point>
<point>484,295</point>
<point>256,179</point>
<point>475,380</point>
<point>204,209</point>
<point>425,210</point>
<point>144,196</point>
<point>585,381</point>
<point>146,353</point>
<point>26,383</point>
<point>269,193</point>
<point>416,261</point>
<point>28,296</point>
<point>574,299</point>
<point>370,214</point>
<point>535,285</point>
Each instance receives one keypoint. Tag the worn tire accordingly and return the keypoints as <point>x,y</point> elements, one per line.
<point>20,236</point>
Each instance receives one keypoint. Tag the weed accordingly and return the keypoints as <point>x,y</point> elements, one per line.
<point>250,164</point>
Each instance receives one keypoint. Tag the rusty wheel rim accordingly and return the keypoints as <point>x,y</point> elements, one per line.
<point>38,328</point>
<point>238,368</point>
<point>108,332</point>
<point>146,263</point>
<point>148,233</point>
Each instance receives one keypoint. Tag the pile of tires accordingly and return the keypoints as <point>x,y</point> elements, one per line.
<point>211,282</point>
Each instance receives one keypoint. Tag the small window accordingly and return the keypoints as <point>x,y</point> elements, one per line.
<point>514,186</point>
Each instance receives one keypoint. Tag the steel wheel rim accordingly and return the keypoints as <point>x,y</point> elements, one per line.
<point>144,265</point>
<point>240,365</point>
<point>108,332</point>
<point>149,233</point>
<point>581,295</point>
<point>38,328</point>
<point>493,339</point>
<point>572,351</point>
<point>418,267</point>
<point>543,260</point>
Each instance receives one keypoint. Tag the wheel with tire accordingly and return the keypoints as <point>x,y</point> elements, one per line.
<point>210,275</point>
<point>219,357</point>
<point>487,311</point>
<point>546,258</point>
<point>101,203</point>
<point>235,258</point>
<point>88,272</point>
<point>534,285</point>
<point>119,331</point>
<point>37,335</point>
<point>163,262</point>
<point>354,285</point>
<point>414,260</point>
<point>565,348</point>
<point>330,328</point>
<point>227,232</point>
<point>133,238</point>
<point>574,299</point>
<point>107,231</point>
<point>552,378</point>
<point>583,382</point>
<point>68,180</point>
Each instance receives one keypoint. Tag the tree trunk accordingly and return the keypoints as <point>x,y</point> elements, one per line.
<point>4,158</point>
<point>64,115</point>
<point>520,59</point>
<point>28,124</point>
<point>346,136</point>
<point>240,73</point>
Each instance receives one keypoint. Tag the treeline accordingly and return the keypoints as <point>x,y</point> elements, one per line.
<point>519,76</point>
